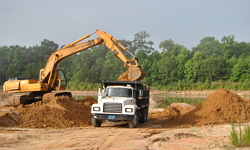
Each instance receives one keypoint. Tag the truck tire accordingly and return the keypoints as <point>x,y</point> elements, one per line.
<point>143,117</point>
<point>133,123</point>
<point>96,123</point>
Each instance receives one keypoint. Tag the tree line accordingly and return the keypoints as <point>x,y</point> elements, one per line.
<point>211,64</point>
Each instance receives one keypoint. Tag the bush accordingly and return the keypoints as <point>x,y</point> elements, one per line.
<point>241,138</point>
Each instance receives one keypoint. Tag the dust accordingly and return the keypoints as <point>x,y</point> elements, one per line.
<point>218,108</point>
<point>60,112</point>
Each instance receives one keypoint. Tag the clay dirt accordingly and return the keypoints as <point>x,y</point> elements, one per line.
<point>65,123</point>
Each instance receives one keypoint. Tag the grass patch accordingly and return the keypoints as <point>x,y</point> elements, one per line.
<point>240,138</point>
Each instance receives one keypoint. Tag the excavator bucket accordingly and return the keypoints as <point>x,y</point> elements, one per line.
<point>134,73</point>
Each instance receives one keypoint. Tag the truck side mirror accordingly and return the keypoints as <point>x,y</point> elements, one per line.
<point>140,92</point>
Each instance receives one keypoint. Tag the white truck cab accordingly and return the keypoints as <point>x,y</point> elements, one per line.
<point>121,101</point>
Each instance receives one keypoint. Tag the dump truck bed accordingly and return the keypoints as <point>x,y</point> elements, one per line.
<point>135,84</point>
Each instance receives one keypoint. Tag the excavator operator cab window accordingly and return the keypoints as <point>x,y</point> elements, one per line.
<point>62,77</point>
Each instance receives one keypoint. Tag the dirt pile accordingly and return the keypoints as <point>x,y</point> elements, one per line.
<point>8,117</point>
<point>123,77</point>
<point>216,109</point>
<point>60,112</point>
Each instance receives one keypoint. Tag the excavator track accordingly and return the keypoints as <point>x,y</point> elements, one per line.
<point>16,99</point>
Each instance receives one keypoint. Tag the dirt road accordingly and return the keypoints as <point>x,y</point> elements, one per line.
<point>119,137</point>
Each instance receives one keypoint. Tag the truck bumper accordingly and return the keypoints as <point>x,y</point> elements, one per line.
<point>112,117</point>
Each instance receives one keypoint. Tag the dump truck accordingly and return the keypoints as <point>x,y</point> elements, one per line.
<point>121,102</point>
<point>52,79</point>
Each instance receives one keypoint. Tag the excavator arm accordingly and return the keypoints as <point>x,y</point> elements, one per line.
<point>134,71</point>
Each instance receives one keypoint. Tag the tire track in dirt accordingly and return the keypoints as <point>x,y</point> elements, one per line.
<point>107,144</point>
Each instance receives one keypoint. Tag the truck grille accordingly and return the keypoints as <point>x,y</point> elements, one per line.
<point>112,107</point>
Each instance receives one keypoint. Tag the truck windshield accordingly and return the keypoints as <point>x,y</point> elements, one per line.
<point>118,92</point>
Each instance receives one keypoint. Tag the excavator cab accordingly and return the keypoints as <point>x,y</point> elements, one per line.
<point>57,80</point>
<point>60,80</point>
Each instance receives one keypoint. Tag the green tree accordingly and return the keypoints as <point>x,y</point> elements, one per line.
<point>146,63</point>
<point>228,45</point>
<point>152,69</point>
<point>3,63</point>
<point>192,71</point>
<point>182,57</point>
<point>112,68</point>
<point>208,46</point>
<point>240,71</point>
<point>167,45</point>
<point>16,62</point>
<point>140,42</point>
<point>212,68</point>
<point>168,68</point>
<point>129,45</point>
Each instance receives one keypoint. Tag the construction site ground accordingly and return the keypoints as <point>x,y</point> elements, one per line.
<point>64,123</point>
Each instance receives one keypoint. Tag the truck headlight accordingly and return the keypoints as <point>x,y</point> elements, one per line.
<point>130,110</point>
<point>96,108</point>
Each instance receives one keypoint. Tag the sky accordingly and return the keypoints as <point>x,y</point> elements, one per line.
<point>186,22</point>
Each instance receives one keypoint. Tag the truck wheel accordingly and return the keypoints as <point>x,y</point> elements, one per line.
<point>96,123</point>
<point>133,123</point>
<point>143,117</point>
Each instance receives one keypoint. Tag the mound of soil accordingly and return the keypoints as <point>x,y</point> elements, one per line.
<point>123,77</point>
<point>60,112</point>
<point>8,118</point>
<point>218,108</point>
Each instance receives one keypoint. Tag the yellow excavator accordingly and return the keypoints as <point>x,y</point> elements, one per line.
<point>52,79</point>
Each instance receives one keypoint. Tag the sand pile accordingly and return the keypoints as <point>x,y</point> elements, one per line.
<point>123,77</point>
<point>60,112</point>
<point>8,117</point>
<point>216,109</point>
